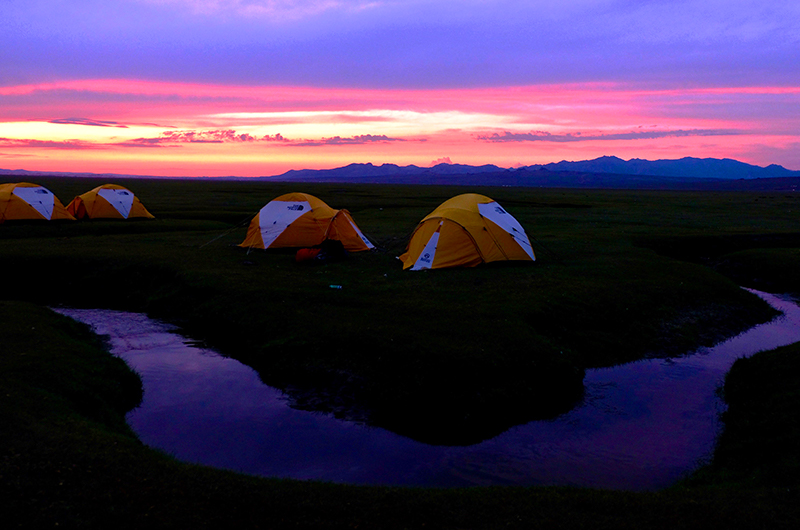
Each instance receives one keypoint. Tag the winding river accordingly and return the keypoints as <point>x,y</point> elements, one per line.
<point>641,426</point>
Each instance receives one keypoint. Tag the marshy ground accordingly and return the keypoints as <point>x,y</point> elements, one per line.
<point>449,356</point>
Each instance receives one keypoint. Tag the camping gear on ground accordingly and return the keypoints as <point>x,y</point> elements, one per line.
<point>23,200</point>
<point>466,231</point>
<point>297,220</point>
<point>326,252</point>
<point>308,255</point>
<point>109,201</point>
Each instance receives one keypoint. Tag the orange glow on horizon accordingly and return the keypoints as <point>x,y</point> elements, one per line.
<point>172,129</point>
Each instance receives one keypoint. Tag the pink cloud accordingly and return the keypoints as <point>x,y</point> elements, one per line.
<point>355,140</point>
<point>567,107</point>
<point>203,137</point>
<point>16,155</point>
<point>541,136</point>
<point>86,121</point>
<point>218,136</point>
<point>47,144</point>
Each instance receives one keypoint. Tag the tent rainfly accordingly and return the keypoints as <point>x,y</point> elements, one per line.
<point>109,201</point>
<point>23,200</point>
<point>300,220</point>
<point>466,231</point>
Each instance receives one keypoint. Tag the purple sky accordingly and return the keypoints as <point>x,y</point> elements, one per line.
<point>411,44</point>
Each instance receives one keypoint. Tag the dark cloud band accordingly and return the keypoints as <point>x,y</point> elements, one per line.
<point>540,136</point>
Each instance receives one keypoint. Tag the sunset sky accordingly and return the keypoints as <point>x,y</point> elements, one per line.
<point>257,87</point>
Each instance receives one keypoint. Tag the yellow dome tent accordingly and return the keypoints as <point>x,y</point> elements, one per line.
<point>300,220</point>
<point>108,201</point>
<point>466,231</point>
<point>23,200</point>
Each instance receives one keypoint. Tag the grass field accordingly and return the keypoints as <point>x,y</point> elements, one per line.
<point>447,356</point>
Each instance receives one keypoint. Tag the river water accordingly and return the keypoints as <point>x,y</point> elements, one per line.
<point>641,426</point>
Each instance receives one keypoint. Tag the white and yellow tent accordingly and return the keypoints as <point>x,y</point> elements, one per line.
<point>466,231</point>
<point>23,200</point>
<point>109,201</point>
<point>298,220</point>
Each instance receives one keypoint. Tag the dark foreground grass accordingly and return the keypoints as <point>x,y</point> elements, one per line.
<point>450,356</point>
<point>608,289</point>
<point>761,442</point>
<point>67,460</point>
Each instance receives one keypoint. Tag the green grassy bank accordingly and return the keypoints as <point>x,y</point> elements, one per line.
<point>449,356</point>
<point>67,460</point>
<point>760,446</point>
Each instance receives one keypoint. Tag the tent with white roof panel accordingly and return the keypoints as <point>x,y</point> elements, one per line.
<point>298,220</point>
<point>109,201</point>
<point>466,231</point>
<point>23,200</point>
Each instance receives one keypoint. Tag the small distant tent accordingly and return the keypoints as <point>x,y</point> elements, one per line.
<point>23,200</point>
<point>109,201</point>
<point>466,231</point>
<point>297,220</point>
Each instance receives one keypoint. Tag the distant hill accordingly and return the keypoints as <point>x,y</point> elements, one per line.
<point>26,173</point>
<point>693,168</point>
<point>685,167</point>
<point>604,172</point>
<point>361,171</point>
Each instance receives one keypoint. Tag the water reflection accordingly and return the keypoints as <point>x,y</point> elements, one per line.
<point>642,425</point>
